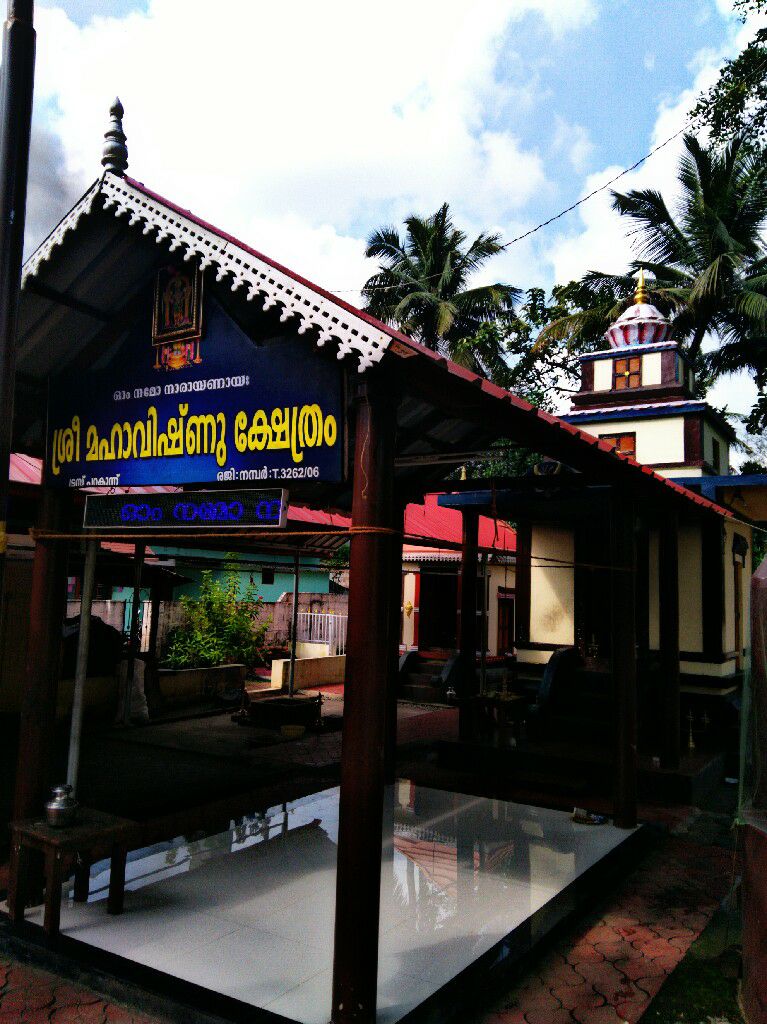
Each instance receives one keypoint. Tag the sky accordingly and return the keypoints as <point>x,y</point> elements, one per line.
<point>302,126</point>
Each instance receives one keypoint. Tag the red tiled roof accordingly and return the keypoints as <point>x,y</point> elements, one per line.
<point>429,521</point>
<point>25,469</point>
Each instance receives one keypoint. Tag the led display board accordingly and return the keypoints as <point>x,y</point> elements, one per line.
<point>190,510</point>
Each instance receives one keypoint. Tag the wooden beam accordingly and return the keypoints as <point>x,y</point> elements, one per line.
<point>668,619</point>
<point>712,582</point>
<point>467,643</point>
<point>38,710</point>
<point>523,582</point>
<point>60,299</point>
<point>390,752</point>
<point>623,654</point>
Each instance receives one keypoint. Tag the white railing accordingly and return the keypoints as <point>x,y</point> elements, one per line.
<point>323,628</point>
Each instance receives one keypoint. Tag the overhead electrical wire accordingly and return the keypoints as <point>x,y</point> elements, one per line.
<point>689,122</point>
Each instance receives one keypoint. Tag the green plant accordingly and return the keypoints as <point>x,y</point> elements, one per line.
<point>423,286</point>
<point>219,626</point>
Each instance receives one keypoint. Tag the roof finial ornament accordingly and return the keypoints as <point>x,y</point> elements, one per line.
<point>640,295</point>
<point>114,155</point>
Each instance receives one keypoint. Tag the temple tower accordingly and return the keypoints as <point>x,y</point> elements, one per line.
<point>639,395</point>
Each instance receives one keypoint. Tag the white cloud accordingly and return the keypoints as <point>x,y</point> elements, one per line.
<point>309,122</point>
<point>574,142</point>
<point>599,240</point>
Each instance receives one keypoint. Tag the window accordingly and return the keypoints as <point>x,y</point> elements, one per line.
<point>267,576</point>
<point>627,373</point>
<point>626,444</point>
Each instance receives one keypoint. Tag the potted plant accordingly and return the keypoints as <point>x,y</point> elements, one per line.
<point>221,636</point>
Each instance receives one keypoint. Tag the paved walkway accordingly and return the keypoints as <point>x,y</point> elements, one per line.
<point>608,969</point>
<point>29,995</point>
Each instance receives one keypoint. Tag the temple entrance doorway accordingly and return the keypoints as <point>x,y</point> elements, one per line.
<point>438,611</point>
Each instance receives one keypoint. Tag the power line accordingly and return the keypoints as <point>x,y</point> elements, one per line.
<point>545,223</point>
<point>574,206</point>
<point>596,191</point>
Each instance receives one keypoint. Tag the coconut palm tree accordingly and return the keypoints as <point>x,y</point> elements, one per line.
<point>708,256</point>
<point>423,286</point>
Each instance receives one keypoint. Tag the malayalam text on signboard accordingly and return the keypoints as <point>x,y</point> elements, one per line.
<point>191,510</point>
<point>217,408</point>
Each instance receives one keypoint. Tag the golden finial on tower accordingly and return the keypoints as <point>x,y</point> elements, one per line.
<point>640,295</point>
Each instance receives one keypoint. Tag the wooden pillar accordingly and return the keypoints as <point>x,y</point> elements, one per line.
<point>81,670</point>
<point>38,710</point>
<point>712,568</point>
<point>643,600</point>
<point>623,647</point>
<point>467,641</point>
<point>668,622</point>
<point>134,641</point>
<point>390,754</point>
<point>523,582</point>
<point>355,952</point>
<point>16,87</point>
<point>151,677</point>
<point>294,624</point>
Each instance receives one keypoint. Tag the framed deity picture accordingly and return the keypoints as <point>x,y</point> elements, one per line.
<point>177,314</point>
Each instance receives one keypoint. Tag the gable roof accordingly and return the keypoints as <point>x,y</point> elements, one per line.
<point>351,329</point>
<point>466,411</point>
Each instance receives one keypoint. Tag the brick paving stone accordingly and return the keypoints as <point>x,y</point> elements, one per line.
<point>641,968</point>
<point>620,949</point>
<point>549,1015</point>
<point>30,995</point>
<point>563,974</point>
<point>607,979</point>
<point>600,1015</point>
<point>583,953</point>
<point>85,1013</point>
<point>579,998</point>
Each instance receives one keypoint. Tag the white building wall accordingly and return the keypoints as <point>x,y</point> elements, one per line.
<point>552,613</point>
<point>408,598</point>
<point>690,589</point>
<point>603,374</point>
<point>709,435</point>
<point>658,440</point>
<point>651,368</point>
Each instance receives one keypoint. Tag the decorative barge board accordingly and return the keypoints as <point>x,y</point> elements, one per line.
<point>118,285</point>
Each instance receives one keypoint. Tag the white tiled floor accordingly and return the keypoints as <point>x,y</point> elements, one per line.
<point>249,912</point>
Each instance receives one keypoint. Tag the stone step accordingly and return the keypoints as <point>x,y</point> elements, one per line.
<point>421,678</point>
<point>425,694</point>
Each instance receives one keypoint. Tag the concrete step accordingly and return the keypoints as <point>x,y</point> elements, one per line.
<point>425,694</point>
<point>422,678</point>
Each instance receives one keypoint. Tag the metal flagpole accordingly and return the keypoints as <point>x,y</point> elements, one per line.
<point>81,670</point>
<point>18,73</point>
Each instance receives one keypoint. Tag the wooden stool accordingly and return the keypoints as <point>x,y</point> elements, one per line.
<point>95,834</point>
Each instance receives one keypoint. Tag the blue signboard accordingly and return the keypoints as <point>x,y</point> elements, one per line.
<point>218,408</point>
